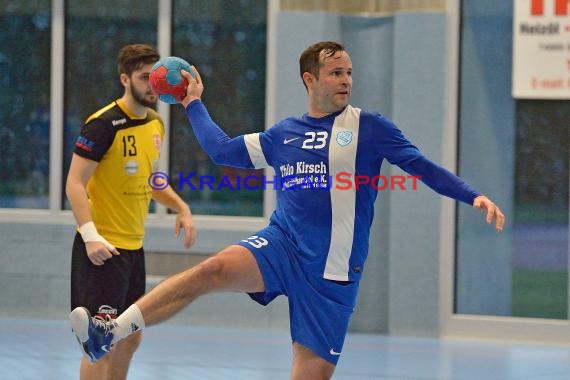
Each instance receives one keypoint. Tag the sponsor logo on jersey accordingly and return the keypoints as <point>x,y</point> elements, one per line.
<point>131,167</point>
<point>287,141</point>
<point>84,144</point>
<point>119,122</point>
<point>302,167</point>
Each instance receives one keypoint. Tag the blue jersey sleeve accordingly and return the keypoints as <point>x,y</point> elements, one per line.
<point>398,150</point>
<point>222,149</point>
<point>441,180</point>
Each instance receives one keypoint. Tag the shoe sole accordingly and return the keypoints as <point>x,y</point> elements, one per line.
<point>79,320</point>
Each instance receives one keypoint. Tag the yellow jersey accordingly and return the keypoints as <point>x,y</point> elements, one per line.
<point>127,149</point>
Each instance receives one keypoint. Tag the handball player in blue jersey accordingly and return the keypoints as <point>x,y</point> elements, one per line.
<point>314,249</point>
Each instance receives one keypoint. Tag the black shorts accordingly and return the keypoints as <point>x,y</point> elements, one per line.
<point>109,288</point>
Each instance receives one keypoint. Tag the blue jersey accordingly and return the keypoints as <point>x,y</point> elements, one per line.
<point>318,163</point>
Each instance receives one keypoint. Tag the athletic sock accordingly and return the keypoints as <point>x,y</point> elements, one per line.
<point>130,321</point>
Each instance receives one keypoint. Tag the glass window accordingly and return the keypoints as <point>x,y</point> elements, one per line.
<point>516,151</point>
<point>24,104</point>
<point>95,31</point>
<point>540,220</point>
<point>226,40</point>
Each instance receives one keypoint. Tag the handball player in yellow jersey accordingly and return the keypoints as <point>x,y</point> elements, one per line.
<point>107,185</point>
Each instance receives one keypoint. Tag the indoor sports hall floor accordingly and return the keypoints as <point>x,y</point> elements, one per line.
<point>36,349</point>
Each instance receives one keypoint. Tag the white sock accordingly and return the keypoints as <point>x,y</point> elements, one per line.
<point>130,321</point>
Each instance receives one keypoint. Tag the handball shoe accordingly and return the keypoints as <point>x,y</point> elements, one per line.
<point>93,333</point>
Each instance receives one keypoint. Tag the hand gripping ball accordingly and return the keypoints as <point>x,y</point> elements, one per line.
<point>167,82</point>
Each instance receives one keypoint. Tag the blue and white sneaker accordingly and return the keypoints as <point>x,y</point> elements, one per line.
<point>93,333</point>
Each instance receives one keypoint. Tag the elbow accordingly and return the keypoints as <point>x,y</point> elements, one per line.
<point>73,187</point>
<point>68,187</point>
<point>217,157</point>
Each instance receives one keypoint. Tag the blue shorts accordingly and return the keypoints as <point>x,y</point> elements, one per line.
<point>319,309</point>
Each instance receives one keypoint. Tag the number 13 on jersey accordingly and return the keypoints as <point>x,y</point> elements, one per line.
<point>256,241</point>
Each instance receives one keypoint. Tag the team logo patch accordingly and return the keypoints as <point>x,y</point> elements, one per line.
<point>344,138</point>
<point>131,167</point>
<point>156,140</point>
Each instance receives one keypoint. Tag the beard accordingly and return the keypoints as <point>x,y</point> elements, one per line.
<point>145,98</point>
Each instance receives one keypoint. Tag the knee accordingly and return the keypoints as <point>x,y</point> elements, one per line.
<point>212,267</point>
<point>211,271</point>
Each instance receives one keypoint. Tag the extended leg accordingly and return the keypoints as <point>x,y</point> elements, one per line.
<point>233,269</point>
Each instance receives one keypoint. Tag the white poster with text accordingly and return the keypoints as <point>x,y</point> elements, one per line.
<point>541,49</point>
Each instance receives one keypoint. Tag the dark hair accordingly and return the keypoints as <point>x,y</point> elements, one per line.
<point>133,57</point>
<point>310,60</point>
